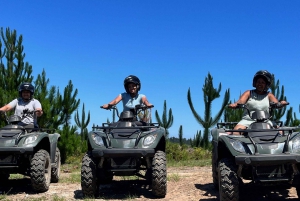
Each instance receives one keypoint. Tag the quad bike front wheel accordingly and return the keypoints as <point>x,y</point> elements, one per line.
<point>55,171</point>
<point>159,174</point>
<point>40,171</point>
<point>228,180</point>
<point>89,183</point>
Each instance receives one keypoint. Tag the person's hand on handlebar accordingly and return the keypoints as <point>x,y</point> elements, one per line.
<point>282,104</point>
<point>38,112</point>
<point>106,106</point>
<point>233,105</point>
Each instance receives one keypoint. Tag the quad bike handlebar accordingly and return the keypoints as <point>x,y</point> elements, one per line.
<point>258,116</point>
<point>136,110</point>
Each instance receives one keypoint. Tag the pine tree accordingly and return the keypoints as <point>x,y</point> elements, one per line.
<point>209,95</point>
<point>68,103</point>
<point>16,71</point>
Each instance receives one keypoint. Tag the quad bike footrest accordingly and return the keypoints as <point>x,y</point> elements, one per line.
<point>267,159</point>
<point>115,152</point>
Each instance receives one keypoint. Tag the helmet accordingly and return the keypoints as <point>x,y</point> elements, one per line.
<point>132,79</point>
<point>27,87</point>
<point>265,75</point>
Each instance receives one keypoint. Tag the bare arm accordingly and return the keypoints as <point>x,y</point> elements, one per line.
<point>273,99</point>
<point>113,102</point>
<point>145,101</point>
<point>6,108</point>
<point>243,99</point>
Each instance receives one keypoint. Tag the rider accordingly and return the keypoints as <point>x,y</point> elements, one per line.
<point>257,99</point>
<point>131,97</point>
<point>25,106</point>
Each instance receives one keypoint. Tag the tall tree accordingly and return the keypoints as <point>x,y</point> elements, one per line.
<point>164,121</point>
<point>68,103</point>
<point>232,115</point>
<point>47,97</point>
<point>16,69</point>
<point>180,135</point>
<point>279,94</point>
<point>209,95</point>
<point>83,123</point>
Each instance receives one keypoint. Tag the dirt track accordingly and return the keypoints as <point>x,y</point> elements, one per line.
<point>184,184</point>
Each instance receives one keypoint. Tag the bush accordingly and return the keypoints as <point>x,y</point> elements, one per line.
<point>175,152</point>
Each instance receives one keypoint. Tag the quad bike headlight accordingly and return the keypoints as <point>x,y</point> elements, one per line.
<point>149,140</point>
<point>238,146</point>
<point>98,140</point>
<point>296,144</point>
<point>30,139</point>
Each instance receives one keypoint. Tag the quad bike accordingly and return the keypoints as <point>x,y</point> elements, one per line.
<point>125,148</point>
<point>29,151</point>
<point>262,153</point>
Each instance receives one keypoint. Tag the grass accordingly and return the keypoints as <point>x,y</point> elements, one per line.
<point>173,177</point>
<point>189,163</point>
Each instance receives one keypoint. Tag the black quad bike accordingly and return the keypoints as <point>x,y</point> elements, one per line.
<point>125,148</point>
<point>29,151</point>
<point>263,153</point>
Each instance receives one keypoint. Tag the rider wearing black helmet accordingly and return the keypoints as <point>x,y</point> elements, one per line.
<point>132,85</point>
<point>258,98</point>
<point>25,106</point>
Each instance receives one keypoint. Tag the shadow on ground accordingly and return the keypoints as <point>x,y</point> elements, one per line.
<point>251,192</point>
<point>122,190</point>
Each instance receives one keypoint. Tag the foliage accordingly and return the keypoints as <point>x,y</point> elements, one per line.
<point>70,143</point>
<point>279,94</point>
<point>209,95</point>
<point>180,135</point>
<point>175,152</point>
<point>232,115</point>
<point>164,121</point>
<point>83,123</point>
<point>58,108</point>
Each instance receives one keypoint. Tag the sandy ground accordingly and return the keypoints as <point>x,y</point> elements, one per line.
<point>184,184</point>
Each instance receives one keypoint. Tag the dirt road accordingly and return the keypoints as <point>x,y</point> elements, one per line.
<point>184,184</point>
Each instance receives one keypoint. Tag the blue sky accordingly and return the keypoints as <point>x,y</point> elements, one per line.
<point>170,45</point>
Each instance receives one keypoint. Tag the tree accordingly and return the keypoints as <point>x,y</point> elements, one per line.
<point>232,115</point>
<point>48,99</point>
<point>292,120</point>
<point>197,139</point>
<point>279,94</point>
<point>68,103</point>
<point>180,135</point>
<point>209,95</point>
<point>16,71</point>
<point>58,109</point>
<point>83,123</point>
<point>164,121</point>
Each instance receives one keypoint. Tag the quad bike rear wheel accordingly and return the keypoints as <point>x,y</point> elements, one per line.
<point>40,171</point>
<point>55,171</point>
<point>89,181</point>
<point>159,174</point>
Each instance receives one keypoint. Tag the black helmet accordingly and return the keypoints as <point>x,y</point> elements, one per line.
<point>26,86</point>
<point>265,75</point>
<point>132,79</point>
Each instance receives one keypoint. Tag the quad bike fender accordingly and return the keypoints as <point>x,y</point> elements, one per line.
<point>54,138</point>
<point>224,147</point>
